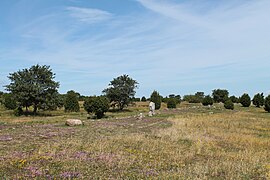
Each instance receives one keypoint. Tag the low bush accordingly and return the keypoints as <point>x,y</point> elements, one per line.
<point>72,102</point>
<point>208,100</point>
<point>267,104</point>
<point>228,104</point>
<point>245,100</point>
<point>9,101</point>
<point>171,103</point>
<point>143,99</point>
<point>98,105</point>
<point>258,100</point>
<point>157,99</point>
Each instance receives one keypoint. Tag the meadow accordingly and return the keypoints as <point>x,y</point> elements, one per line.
<point>190,142</point>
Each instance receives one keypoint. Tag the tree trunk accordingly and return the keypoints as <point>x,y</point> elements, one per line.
<point>35,109</point>
<point>121,106</point>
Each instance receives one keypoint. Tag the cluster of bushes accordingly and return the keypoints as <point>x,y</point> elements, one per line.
<point>172,100</point>
<point>218,96</point>
<point>208,100</point>
<point>196,98</point>
<point>222,96</point>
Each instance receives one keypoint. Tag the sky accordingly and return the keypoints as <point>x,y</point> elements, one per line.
<point>172,46</point>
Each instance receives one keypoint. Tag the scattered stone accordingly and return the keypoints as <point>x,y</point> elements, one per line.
<point>211,112</point>
<point>140,116</point>
<point>74,122</point>
<point>151,109</point>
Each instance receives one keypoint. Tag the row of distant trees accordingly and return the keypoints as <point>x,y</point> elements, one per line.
<point>222,96</point>
<point>35,89</point>
<point>217,96</point>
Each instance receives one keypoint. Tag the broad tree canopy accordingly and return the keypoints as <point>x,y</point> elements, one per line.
<point>121,90</point>
<point>34,87</point>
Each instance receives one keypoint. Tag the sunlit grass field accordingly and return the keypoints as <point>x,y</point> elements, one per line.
<point>190,142</point>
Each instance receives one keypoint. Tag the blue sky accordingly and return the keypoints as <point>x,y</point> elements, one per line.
<point>173,46</point>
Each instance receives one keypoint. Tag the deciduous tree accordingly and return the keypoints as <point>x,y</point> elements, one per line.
<point>33,87</point>
<point>121,90</point>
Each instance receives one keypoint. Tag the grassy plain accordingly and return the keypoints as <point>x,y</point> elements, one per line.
<point>190,142</point>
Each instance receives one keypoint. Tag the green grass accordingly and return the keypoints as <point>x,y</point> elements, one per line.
<point>190,142</point>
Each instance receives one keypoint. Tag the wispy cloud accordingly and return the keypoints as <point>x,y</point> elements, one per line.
<point>89,15</point>
<point>169,46</point>
<point>174,11</point>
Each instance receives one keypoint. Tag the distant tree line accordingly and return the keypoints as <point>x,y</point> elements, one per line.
<point>34,89</point>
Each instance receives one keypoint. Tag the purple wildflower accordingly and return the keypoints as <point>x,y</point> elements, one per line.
<point>69,175</point>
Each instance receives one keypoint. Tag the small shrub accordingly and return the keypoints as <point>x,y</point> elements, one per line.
<point>228,104</point>
<point>171,103</point>
<point>98,105</point>
<point>258,100</point>
<point>71,102</point>
<point>143,99</point>
<point>245,100</point>
<point>234,99</point>
<point>135,99</point>
<point>165,99</point>
<point>200,96</point>
<point>9,102</point>
<point>267,103</point>
<point>156,98</point>
<point>18,111</point>
<point>208,100</point>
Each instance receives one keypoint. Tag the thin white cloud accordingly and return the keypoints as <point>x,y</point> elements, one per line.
<point>89,15</point>
<point>175,44</point>
<point>174,11</point>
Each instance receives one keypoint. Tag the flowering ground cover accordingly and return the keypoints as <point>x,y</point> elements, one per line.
<point>190,142</point>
